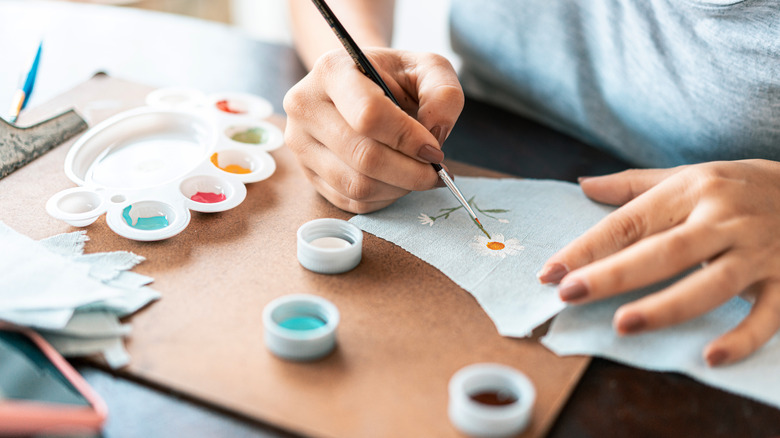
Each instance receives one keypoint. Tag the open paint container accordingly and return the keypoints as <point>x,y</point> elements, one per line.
<point>329,246</point>
<point>300,327</point>
<point>148,167</point>
<point>490,400</point>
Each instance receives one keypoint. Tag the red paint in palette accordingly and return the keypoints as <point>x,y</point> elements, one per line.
<point>208,198</point>
<point>224,105</point>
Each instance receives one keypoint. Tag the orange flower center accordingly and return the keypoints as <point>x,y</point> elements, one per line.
<point>495,246</point>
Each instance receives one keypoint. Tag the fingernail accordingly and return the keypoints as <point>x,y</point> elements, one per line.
<point>573,290</point>
<point>440,133</point>
<point>430,154</point>
<point>632,323</point>
<point>717,357</point>
<point>552,273</point>
<point>583,178</point>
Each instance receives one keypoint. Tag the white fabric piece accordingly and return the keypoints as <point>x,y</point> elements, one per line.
<point>74,299</point>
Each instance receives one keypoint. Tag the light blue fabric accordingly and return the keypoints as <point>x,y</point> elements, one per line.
<point>542,217</point>
<point>588,330</point>
<point>656,82</point>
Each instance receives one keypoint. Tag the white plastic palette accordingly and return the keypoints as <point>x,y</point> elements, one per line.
<point>148,167</point>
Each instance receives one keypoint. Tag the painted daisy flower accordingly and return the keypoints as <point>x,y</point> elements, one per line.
<point>497,246</point>
<point>425,219</point>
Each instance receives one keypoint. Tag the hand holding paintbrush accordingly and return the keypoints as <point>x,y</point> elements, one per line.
<point>358,144</point>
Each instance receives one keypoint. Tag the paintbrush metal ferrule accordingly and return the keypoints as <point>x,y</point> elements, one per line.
<point>454,189</point>
<point>462,199</point>
<point>16,105</point>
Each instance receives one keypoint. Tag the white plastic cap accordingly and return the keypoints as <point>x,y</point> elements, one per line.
<point>480,419</point>
<point>300,327</point>
<point>319,249</point>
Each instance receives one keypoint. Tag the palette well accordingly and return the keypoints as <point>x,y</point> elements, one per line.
<point>148,167</point>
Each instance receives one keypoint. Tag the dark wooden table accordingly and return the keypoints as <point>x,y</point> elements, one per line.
<point>164,50</point>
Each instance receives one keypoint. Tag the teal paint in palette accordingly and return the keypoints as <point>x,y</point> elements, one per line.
<point>147,168</point>
<point>145,223</point>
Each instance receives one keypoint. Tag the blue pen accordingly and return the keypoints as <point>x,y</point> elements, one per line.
<point>22,95</point>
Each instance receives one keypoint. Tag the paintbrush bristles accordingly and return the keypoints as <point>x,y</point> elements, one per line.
<point>479,224</point>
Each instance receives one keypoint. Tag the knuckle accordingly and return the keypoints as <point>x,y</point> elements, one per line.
<point>752,339</point>
<point>614,279</point>
<point>365,156</point>
<point>437,61</point>
<point>710,178</point>
<point>628,227</point>
<point>674,247</point>
<point>422,179</point>
<point>294,99</point>
<point>359,188</point>
<point>403,138</point>
<point>294,140</point>
<point>328,61</point>
<point>454,96</point>
<point>669,316</point>
<point>712,181</point>
<point>729,276</point>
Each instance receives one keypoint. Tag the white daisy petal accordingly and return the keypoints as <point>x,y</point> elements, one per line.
<point>425,219</point>
<point>482,246</point>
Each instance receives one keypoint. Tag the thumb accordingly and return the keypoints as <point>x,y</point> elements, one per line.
<point>619,188</point>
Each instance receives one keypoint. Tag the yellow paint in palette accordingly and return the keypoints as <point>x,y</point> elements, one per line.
<point>232,168</point>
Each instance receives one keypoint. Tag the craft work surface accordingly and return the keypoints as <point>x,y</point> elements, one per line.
<point>405,327</point>
<point>610,400</point>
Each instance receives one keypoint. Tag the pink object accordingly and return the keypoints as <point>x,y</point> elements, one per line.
<point>23,417</point>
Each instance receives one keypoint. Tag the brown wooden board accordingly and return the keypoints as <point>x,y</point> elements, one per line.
<point>405,328</point>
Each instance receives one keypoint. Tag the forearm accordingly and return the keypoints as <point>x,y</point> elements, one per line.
<point>369,22</point>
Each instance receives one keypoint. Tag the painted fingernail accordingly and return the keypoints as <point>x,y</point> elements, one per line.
<point>440,133</point>
<point>573,290</point>
<point>633,323</point>
<point>552,273</point>
<point>430,154</point>
<point>717,357</point>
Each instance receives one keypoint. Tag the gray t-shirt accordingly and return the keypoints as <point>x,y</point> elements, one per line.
<point>656,82</point>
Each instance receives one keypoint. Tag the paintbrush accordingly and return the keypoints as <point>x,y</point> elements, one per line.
<point>22,94</point>
<point>367,69</point>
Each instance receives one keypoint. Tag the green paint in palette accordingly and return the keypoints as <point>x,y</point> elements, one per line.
<point>145,223</point>
<point>302,323</point>
<point>249,136</point>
